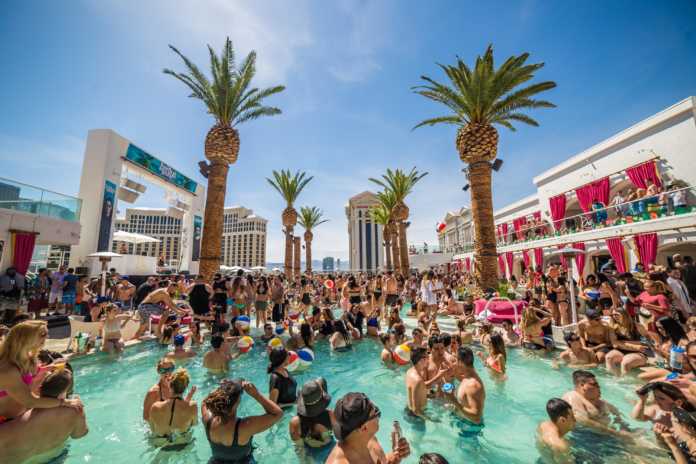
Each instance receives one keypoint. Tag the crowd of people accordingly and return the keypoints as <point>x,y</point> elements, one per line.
<point>640,324</point>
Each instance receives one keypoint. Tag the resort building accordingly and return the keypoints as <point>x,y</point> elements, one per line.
<point>156,223</point>
<point>243,238</point>
<point>629,198</point>
<point>327,264</point>
<point>365,249</point>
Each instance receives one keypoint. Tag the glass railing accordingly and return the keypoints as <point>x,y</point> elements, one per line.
<point>671,203</point>
<point>423,250</point>
<point>29,199</point>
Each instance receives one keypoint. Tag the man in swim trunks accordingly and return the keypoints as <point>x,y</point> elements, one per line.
<point>551,433</point>
<point>590,409</point>
<point>595,335</point>
<point>417,383</point>
<point>124,292</point>
<point>152,304</point>
<point>41,433</point>
<point>436,363</point>
<point>391,289</point>
<point>577,355</point>
<point>470,396</point>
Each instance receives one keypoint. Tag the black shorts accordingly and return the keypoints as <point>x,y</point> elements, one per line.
<point>391,300</point>
<point>278,312</point>
<point>354,300</point>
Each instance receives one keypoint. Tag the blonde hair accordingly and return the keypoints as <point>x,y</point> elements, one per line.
<point>16,349</point>
<point>180,381</point>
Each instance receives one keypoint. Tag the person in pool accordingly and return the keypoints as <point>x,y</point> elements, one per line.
<point>590,409</point>
<point>470,396</point>
<point>551,433</point>
<point>313,425</point>
<point>340,340</point>
<point>161,390</point>
<point>510,337</point>
<point>373,323</point>
<point>666,398</point>
<point>180,353</point>
<point>171,419</point>
<point>576,355</point>
<point>595,335</point>
<point>418,382</point>
<point>532,329</point>
<point>39,435</point>
<point>681,439</point>
<point>282,387</point>
<point>387,354</point>
<point>436,362</point>
<point>417,339</point>
<point>217,360</point>
<point>230,436</point>
<point>356,426</point>
<point>497,356</point>
<point>268,334</point>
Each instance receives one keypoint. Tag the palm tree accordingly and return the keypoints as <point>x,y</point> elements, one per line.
<point>388,200</point>
<point>476,100</point>
<point>289,186</point>
<point>400,185</point>
<point>381,216</point>
<point>309,219</point>
<point>230,100</point>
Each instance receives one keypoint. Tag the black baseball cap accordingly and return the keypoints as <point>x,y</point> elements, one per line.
<point>352,411</point>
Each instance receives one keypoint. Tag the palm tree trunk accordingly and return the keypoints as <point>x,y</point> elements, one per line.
<point>395,251</point>
<point>288,252</point>
<point>211,242</point>
<point>308,256</point>
<point>387,254</point>
<point>485,251</point>
<point>296,254</point>
<point>403,249</point>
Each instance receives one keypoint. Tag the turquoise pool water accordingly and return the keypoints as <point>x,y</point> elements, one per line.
<point>113,390</point>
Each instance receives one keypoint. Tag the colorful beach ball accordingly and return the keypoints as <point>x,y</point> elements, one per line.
<point>275,342</point>
<point>279,329</point>
<point>329,284</point>
<point>402,354</point>
<point>243,322</point>
<point>293,314</point>
<point>245,343</point>
<point>306,356</point>
<point>293,361</point>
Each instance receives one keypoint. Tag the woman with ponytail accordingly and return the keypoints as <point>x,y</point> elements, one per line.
<point>230,437</point>
<point>282,388</point>
<point>171,419</point>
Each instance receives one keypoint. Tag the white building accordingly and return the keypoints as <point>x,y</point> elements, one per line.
<point>556,214</point>
<point>365,248</point>
<point>154,222</point>
<point>243,238</point>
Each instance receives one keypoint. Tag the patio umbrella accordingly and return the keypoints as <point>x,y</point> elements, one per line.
<point>104,258</point>
<point>130,237</point>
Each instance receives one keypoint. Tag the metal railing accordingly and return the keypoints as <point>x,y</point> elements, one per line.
<point>30,199</point>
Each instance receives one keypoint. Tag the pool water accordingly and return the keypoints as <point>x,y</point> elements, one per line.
<point>113,391</point>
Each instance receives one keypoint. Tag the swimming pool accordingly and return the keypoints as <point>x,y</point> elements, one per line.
<point>113,391</point>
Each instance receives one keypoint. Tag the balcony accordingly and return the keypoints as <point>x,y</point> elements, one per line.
<point>34,200</point>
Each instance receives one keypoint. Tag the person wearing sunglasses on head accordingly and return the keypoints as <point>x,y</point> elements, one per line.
<point>161,390</point>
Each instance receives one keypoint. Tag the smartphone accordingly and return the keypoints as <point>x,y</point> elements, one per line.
<point>396,435</point>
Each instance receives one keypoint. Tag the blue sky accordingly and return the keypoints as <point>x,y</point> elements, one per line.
<point>348,111</point>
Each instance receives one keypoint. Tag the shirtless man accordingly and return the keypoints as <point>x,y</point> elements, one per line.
<point>595,335</point>
<point>590,409</point>
<point>577,355</point>
<point>391,289</point>
<point>418,382</point>
<point>437,362</point>
<point>40,434</point>
<point>551,433</point>
<point>151,305</point>
<point>218,359</point>
<point>470,397</point>
<point>418,340</point>
<point>123,292</point>
<point>180,353</point>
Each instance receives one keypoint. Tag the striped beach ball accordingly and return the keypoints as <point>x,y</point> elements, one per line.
<point>293,361</point>
<point>306,356</point>
<point>293,314</point>
<point>243,322</point>
<point>245,343</point>
<point>402,354</point>
<point>275,342</point>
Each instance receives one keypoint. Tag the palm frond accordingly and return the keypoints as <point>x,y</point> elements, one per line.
<point>311,217</point>
<point>398,182</point>
<point>289,185</point>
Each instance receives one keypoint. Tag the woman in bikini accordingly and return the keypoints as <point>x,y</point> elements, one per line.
<point>111,329</point>
<point>262,296</point>
<point>628,353</point>
<point>497,356</point>
<point>238,294</point>
<point>160,390</point>
<point>563,300</point>
<point>531,327</point>
<point>172,419</point>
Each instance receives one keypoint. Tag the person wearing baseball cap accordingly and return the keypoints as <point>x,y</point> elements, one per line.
<point>313,424</point>
<point>180,352</point>
<point>357,423</point>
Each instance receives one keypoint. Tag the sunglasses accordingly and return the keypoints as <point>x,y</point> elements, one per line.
<point>165,370</point>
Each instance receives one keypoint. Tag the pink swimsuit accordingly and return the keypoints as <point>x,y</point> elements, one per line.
<point>26,378</point>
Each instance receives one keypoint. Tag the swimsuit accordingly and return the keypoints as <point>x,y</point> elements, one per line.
<point>230,454</point>
<point>468,428</point>
<point>26,378</point>
<point>307,425</point>
<point>171,438</point>
<point>286,386</point>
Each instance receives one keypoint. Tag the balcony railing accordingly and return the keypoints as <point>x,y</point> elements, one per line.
<point>29,199</point>
<point>671,203</point>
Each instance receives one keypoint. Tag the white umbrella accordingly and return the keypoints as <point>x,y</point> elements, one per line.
<point>104,258</point>
<point>258,268</point>
<point>571,253</point>
<point>130,237</point>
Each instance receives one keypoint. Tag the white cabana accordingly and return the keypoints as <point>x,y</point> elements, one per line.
<point>130,237</point>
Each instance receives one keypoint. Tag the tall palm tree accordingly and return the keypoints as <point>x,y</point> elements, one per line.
<point>310,218</point>
<point>231,101</point>
<point>388,200</point>
<point>477,99</point>
<point>381,216</point>
<point>289,186</point>
<point>400,184</point>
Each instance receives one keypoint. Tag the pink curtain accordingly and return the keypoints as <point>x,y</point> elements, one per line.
<point>498,233</point>
<point>509,257</point>
<point>558,208</point>
<point>501,265</point>
<point>539,257</point>
<point>536,215</point>
<point>580,259</point>
<point>597,190</point>
<point>525,258</point>
<point>564,261</point>
<point>467,264</point>
<point>616,250</point>
<point>23,249</point>
<point>518,224</point>
<point>647,248</point>
<point>504,229</point>
<point>644,174</point>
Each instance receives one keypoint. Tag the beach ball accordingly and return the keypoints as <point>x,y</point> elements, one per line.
<point>306,356</point>
<point>275,342</point>
<point>245,343</point>
<point>293,361</point>
<point>402,354</point>
<point>243,322</point>
<point>330,284</point>
<point>293,314</point>
<point>279,329</point>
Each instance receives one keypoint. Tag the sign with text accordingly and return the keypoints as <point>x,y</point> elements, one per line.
<point>159,168</point>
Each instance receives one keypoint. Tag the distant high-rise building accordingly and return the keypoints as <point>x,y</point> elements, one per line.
<point>243,238</point>
<point>327,264</point>
<point>154,222</point>
<point>338,264</point>
<point>364,236</point>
